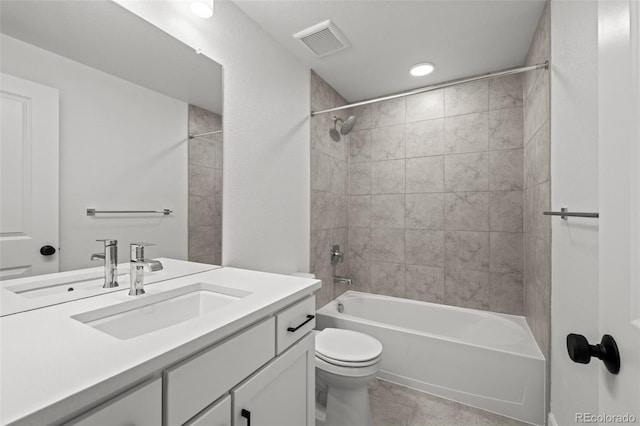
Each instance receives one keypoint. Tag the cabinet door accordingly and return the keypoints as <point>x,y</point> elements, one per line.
<point>281,393</point>
<point>140,406</point>
<point>218,414</point>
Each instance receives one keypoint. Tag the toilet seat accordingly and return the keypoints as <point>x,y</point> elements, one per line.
<point>341,371</point>
<point>349,364</point>
<point>347,348</point>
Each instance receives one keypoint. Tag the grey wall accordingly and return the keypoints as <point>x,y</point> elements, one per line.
<point>205,187</point>
<point>436,195</point>
<point>329,185</point>
<point>537,180</point>
<point>434,209</point>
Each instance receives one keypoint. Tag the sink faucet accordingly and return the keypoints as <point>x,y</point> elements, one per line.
<point>138,265</point>
<point>110,257</point>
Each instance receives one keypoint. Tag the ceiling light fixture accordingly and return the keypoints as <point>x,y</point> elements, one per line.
<point>418,70</point>
<point>202,8</point>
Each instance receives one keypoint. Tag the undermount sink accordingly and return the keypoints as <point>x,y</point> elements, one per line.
<point>154,312</point>
<point>66,284</point>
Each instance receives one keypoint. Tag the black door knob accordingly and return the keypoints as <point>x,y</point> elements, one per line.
<point>47,250</point>
<point>581,351</point>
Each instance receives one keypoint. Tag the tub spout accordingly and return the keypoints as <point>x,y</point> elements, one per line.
<point>342,280</point>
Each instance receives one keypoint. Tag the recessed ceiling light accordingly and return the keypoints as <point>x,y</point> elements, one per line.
<point>418,70</point>
<point>202,8</point>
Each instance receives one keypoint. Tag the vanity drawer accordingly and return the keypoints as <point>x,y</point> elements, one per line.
<point>141,405</point>
<point>219,414</point>
<point>198,381</point>
<point>294,322</point>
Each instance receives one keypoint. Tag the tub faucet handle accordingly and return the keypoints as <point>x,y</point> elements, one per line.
<point>336,255</point>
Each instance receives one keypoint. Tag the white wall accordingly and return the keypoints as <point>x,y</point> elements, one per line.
<point>122,147</point>
<point>574,184</point>
<point>266,188</point>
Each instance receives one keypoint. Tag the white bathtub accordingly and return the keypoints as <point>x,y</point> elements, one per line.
<point>483,359</point>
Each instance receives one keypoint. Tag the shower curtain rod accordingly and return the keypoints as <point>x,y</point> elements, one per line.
<point>502,73</point>
<point>205,134</point>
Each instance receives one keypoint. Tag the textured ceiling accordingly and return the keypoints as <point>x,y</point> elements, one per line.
<point>461,38</point>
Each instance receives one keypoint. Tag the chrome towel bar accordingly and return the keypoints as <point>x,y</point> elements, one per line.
<point>564,213</point>
<point>93,212</point>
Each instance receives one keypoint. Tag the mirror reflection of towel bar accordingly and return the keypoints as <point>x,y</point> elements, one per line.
<point>93,212</point>
<point>564,213</point>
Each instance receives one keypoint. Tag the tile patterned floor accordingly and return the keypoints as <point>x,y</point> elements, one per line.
<point>395,405</point>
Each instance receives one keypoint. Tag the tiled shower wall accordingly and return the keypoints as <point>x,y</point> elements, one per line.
<point>329,185</point>
<point>436,196</point>
<point>537,188</point>
<point>205,187</point>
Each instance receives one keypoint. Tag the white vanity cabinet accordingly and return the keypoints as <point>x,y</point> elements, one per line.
<point>263,375</point>
<point>282,392</point>
<point>140,406</point>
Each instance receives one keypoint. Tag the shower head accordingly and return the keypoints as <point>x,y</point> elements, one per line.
<point>347,125</point>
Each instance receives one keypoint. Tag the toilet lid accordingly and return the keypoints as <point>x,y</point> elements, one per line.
<point>347,345</point>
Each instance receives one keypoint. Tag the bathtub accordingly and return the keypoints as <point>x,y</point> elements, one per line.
<point>483,359</point>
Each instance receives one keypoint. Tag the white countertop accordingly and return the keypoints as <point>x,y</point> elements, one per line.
<point>12,302</point>
<point>52,365</point>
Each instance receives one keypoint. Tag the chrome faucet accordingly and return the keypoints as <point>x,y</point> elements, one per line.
<point>138,265</point>
<point>110,257</point>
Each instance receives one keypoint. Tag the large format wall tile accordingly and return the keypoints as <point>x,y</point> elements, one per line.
<point>360,146</point>
<point>435,202</point>
<point>466,98</point>
<point>505,92</point>
<point>425,247</point>
<point>387,177</point>
<point>380,114</point>
<point>467,211</point>
<point>359,210</point>
<point>425,174</point>
<point>506,293</point>
<point>507,252</point>
<point>467,172</point>
<point>505,128</point>
<point>387,211</point>
<point>387,245</point>
<point>425,106</point>
<point>466,133</point>
<point>388,279</point>
<point>506,211</point>
<point>425,138</point>
<point>424,211</point>
<point>424,283</point>
<point>506,170</point>
<point>467,250</point>
<point>469,289</point>
<point>359,178</point>
<point>387,143</point>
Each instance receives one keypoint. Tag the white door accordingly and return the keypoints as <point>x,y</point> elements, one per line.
<point>619,236</point>
<point>28,178</point>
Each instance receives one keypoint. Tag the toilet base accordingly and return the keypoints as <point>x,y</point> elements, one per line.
<point>347,400</point>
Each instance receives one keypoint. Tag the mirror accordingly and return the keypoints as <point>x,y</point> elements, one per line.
<point>129,96</point>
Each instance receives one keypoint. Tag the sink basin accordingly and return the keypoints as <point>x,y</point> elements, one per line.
<point>67,284</point>
<point>154,312</point>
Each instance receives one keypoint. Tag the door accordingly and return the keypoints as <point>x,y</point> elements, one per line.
<point>619,161</point>
<point>282,393</point>
<point>28,178</point>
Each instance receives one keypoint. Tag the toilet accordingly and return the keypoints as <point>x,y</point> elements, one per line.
<point>346,362</point>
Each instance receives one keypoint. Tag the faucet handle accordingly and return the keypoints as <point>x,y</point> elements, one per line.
<point>109,242</point>
<point>137,250</point>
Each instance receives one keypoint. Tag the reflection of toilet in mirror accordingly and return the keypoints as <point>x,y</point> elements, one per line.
<point>346,362</point>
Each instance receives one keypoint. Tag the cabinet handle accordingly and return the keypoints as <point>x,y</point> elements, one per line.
<point>247,415</point>
<point>294,329</point>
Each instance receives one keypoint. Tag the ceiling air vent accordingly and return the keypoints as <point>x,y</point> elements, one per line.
<point>323,39</point>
